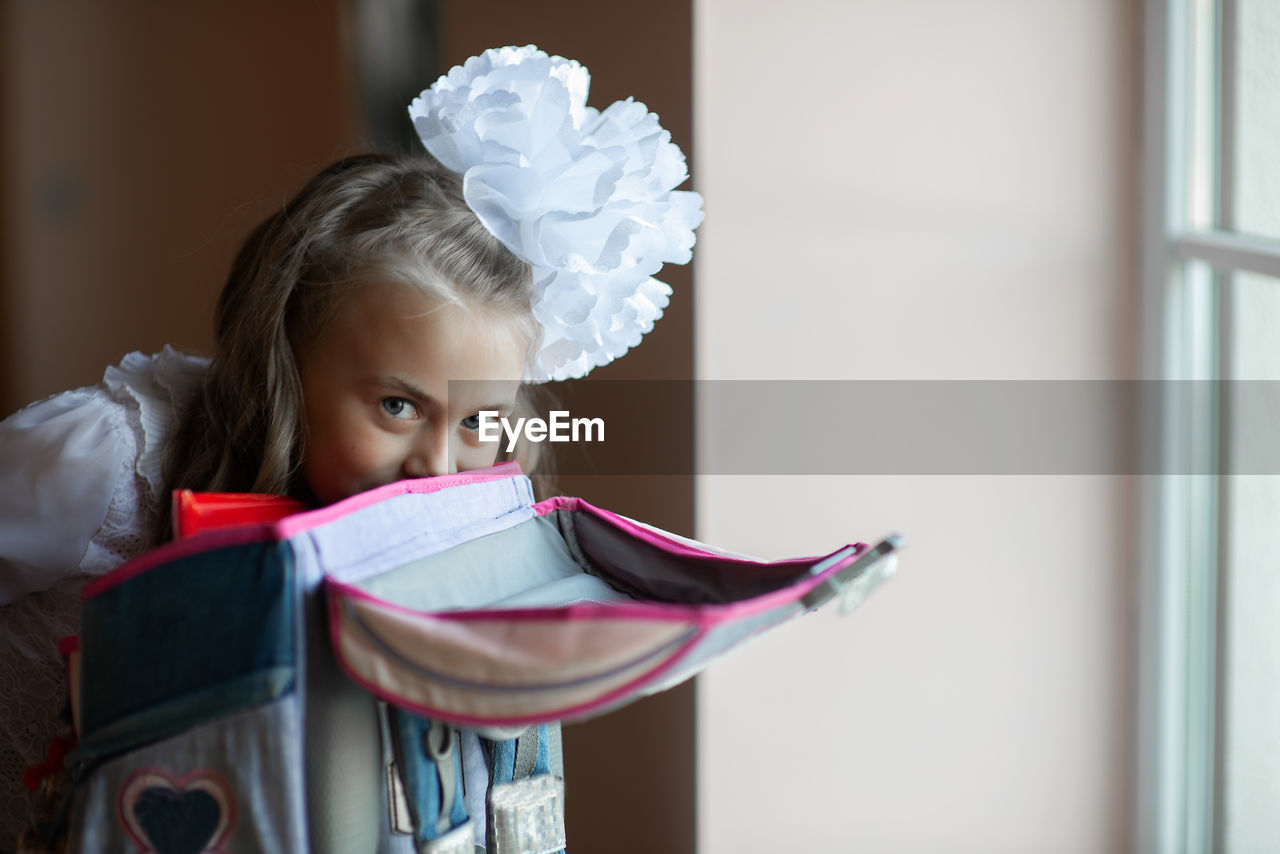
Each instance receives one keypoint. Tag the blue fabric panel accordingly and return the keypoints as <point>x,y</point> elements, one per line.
<point>502,761</point>
<point>198,637</point>
<point>542,766</point>
<point>421,778</point>
<point>231,784</point>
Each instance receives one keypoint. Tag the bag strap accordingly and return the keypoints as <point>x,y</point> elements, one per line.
<point>525,802</point>
<point>429,757</point>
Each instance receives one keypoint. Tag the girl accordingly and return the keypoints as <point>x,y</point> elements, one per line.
<point>341,324</point>
<point>520,248</point>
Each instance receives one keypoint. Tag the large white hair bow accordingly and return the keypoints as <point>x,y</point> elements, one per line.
<point>586,197</point>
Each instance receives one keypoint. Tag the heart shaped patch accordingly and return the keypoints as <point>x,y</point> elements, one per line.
<point>166,814</point>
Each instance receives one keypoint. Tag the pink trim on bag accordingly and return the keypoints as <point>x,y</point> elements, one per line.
<point>218,789</point>
<point>654,538</point>
<point>660,611</point>
<point>290,526</point>
<point>174,550</point>
<point>296,524</point>
<point>710,613</point>
<point>702,618</point>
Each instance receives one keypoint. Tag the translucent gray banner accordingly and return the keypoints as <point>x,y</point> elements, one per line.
<point>814,427</point>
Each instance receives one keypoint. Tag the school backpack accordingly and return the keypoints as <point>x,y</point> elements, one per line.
<point>388,673</point>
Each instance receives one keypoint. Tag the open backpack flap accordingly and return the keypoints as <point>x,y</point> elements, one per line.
<point>226,680</point>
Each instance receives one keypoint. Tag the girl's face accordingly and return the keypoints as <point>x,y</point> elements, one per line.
<point>376,394</point>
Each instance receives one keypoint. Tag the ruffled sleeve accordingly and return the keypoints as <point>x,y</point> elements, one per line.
<point>153,390</point>
<point>81,480</point>
<point>61,460</point>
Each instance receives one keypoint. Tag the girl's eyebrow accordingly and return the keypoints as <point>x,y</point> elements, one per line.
<point>405,387</point>
<point>410,390</point>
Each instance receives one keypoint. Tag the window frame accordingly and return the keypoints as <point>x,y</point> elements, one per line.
<point>1187,258</point>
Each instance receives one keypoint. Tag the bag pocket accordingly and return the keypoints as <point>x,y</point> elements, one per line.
<point>190,717</point>
<point>233,784</point>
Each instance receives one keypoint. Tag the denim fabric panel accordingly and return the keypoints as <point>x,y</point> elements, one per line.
<point>190,628</point>
<point>475,783</point>
<point>542,766</point>
<point>422,780</point>
<point>172,717</point>
<point>555,749</point>
<point>231,785</point>
<point>502,761</point>
<point>390,841</point>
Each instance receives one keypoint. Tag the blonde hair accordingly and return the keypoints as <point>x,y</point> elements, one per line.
<point>390,217</point>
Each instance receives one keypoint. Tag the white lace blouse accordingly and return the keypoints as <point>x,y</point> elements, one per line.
<point>80,492</point>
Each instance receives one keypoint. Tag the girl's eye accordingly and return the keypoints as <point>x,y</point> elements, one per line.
<point>471,422</point>
<point>398,407</point>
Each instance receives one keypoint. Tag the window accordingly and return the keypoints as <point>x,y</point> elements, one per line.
<point>1209,670</point>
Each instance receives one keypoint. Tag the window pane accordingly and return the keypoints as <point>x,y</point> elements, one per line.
<point>1201,130</point>
<point>1255,203</point>
<point>1250,675</point>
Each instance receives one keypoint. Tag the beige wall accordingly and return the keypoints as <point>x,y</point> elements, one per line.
<point>921,189</point>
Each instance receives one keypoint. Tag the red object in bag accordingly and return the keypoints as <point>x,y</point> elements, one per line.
<point>194,512</point>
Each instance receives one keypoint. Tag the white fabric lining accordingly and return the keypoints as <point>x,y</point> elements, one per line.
<point>526,565</point>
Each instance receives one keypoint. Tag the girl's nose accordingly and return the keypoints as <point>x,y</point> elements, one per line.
<point>430,456</point>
